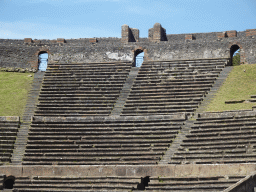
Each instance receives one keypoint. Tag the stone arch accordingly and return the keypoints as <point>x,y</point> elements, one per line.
<point>38,53</point>
<point>136,53</point>
<point>9,182</point>
<point>233,47</point>
<point>42,60</point>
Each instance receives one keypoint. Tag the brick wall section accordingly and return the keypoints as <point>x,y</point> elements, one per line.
<point>250,32</point>
<point>232,33</point>
<point>222,34</point>
<point>28,40</point>
<point>93,40</point>
<point>189,37</point>
<point>60,40</point>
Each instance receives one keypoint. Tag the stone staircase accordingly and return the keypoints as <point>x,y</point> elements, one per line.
<point>21,141</point>
<point>167,87</point>
<point>70,184</point>
<point>191,184</point>
<point>125,183</point>
<point>211,94</point>
<point>81,90</point>
<point>114,114</point>
<point>177,142</point>
<point>224,137</point>
<point>101,140</point>
<point>125,91</point>
<point>8,129</point>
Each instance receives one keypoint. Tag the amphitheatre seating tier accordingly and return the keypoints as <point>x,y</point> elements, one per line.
<point>118,183</point>
<point>224,137</point>
<point>2,177</point>
<point>81,89</point>
<point>195,184</point>
<point>101,140</point>
<point>166,87</point>
<point>8,129</point>
<point>41,183</point>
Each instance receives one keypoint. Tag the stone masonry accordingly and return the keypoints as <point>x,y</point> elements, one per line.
<point>23,53</point>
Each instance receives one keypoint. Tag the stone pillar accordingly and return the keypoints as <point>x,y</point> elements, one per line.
<point>157,33</point>
<point>189,37</point>
<point>232,33</point>
<point>135,33</point>
<point>129,34</point>
<point>28,40</point>
<point>60,40</point>
<point>222,35</point>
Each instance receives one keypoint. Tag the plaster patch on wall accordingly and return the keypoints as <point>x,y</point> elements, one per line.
<point>115,56</point>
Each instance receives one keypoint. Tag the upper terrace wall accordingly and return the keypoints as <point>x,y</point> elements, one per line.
<point>24,53</point>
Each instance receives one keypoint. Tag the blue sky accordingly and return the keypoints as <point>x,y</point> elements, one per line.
<point>51,19</point>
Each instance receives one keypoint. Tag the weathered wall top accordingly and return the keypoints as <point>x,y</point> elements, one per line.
<point>158,46</point>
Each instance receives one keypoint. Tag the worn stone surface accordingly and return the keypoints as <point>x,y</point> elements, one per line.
<point>131,170</point>
<point>24,53</point>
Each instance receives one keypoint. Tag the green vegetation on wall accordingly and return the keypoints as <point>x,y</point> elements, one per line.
<point>240,85</point>
<point>14,88</point>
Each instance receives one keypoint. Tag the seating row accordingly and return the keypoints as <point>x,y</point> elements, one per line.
<point>81,89</point>
<point>195,184</point>
<point>42,183</point>
<point>100,140</point>
<point>226,137</point>
<point>117,183</point>
<point>184,83</point>
<point>8,131</point>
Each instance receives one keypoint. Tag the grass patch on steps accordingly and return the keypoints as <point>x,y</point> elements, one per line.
<point>14,88</point>
<point>239,85</point>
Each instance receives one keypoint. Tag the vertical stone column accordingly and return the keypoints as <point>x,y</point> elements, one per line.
<point>135,33</point>
<point>157,33</point>
<point>129,34</point>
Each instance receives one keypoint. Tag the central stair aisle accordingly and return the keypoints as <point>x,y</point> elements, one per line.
<point>22,135</point>
<point>125,91</point>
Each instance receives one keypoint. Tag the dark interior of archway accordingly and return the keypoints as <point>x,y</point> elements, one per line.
<point>233,49</point>
<point>9,182</point>
<point>144,183</point>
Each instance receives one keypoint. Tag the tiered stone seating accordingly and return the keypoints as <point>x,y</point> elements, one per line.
<point>8,129</point>
<point>167,87</point>
<point>100,140</point>
<point>228,137</point>
<point>2,177</point>
<point>81,89</point>
<point>195,184</point>
<point>41,183</point>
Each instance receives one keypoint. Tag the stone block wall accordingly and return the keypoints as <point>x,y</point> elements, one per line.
<point>158,46</point>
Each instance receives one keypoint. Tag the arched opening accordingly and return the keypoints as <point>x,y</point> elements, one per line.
<point>9,182</point>
<point>139,58</point>
<point>42,61</point>
<point>144,183</point>
<point>235,55</point>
